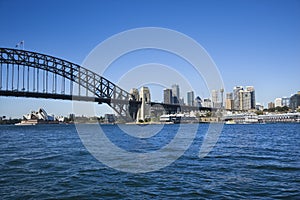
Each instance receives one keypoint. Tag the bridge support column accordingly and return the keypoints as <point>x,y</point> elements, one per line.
<point>144,111</point>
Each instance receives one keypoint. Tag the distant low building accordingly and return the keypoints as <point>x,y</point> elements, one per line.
<point>109,118</point>
<point>258,106</point>
<point>271,105</point>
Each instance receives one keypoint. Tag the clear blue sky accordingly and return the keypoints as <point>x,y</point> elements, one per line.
<point>252,42</point>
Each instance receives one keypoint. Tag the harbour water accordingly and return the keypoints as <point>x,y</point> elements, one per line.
<point>253,161</point>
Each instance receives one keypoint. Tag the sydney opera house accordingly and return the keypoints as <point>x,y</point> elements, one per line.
<point>38,117</point>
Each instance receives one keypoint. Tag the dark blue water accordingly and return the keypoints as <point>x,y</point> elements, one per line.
<point>248,162</point>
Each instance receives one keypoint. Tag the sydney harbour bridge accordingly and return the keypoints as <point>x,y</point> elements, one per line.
<point>35,75</point>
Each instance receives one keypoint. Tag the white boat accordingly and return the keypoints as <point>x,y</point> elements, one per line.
<point>26,123</point>
<point>230,122</point>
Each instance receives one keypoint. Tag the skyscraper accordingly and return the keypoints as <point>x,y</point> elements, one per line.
<point>236,97</point>
<point>229,101</point>
<point>190,98</point>
<point>245,100</point>
<point>175,93</point>
<point>215,98</point>
<point>252,93</point>
<point>222,97</point>
<point>167,96</point>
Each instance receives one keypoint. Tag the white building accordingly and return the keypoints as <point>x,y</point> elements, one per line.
<point>207,103</point>
<point>41,114</point>
<point>278,102</point>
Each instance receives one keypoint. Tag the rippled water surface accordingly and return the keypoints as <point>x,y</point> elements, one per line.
<point>259,161</point>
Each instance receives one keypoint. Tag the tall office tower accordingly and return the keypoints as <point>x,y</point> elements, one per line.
<point>134,94</point>
<point>245,100</point>
<point>286,101</point>
<point>222,97</point>
<point>175,93</point>
<point>229,101</point>
<point>236,97</point>
<point>252,93</point>
<point>215,98</point>
<point>167,96</point>
<point>278,102</point>
<point>190,98</point>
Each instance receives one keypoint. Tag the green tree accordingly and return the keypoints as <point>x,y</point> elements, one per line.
<point>259,112</point>
<point>271,109</point>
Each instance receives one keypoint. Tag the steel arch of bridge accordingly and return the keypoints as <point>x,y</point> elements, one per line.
<point>17,64</point>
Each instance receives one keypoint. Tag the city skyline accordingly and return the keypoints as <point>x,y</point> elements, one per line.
<point>252,43</point>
